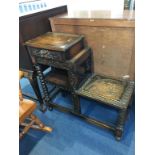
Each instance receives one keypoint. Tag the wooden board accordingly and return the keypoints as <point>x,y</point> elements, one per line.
<point>112,42</point>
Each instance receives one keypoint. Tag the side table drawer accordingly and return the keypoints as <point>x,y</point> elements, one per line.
<point>56,46</point>
<point>43,53</point>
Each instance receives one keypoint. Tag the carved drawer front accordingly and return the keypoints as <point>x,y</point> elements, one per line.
<point>43,53</point>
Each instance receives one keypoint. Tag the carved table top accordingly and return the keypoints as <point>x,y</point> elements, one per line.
<point>58,42</point>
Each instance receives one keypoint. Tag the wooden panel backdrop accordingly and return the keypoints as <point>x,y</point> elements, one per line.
<point>112,42</point>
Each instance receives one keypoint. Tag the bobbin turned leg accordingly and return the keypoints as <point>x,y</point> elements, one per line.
<point>120,124</point>
<point>44,87</point>
<point>35,86</point>
<point>35,123</point>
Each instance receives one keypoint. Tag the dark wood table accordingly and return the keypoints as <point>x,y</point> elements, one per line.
<point>68,58</point>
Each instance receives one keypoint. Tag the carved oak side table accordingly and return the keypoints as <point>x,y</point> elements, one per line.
<point>69,60</point>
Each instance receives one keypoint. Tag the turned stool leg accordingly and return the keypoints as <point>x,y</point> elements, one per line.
<point>26,129</point>
<point>34,123</point>
<point>120,124</point>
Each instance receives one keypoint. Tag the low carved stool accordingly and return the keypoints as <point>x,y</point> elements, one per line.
<point>115,93</point>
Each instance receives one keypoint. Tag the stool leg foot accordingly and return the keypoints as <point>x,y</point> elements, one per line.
<point>120,124</point>
<point>118,134</point>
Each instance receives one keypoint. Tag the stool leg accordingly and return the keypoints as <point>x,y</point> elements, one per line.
<point>26,128</point>
<point>33,120</point>
<point>40,124</point>
<point>120,124</point>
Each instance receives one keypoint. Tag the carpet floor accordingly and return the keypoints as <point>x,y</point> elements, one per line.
<point>73,136</point>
